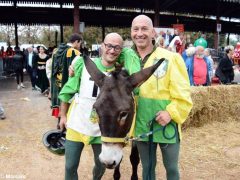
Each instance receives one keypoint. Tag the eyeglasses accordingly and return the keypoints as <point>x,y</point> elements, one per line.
<point>116,48</point>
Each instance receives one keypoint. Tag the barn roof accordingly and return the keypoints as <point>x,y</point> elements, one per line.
<point>188,12</point>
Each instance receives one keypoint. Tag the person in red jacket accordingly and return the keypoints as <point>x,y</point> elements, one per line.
<point>236,54</point>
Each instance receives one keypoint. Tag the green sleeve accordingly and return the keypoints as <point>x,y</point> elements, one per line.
<point>72,85</point>
<point>130,60</point>
<point>122,56</point>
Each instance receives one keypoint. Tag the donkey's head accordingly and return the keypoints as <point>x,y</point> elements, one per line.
<point>115,107</point>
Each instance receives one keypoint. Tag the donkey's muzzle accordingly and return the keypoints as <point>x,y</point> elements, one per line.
<point>111,166</point>
<point>111,155</point>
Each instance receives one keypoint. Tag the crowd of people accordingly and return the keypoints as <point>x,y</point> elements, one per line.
<point>197,57</point>
<point>30,60</point>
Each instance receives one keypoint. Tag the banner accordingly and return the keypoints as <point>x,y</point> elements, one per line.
<point>179,27</point>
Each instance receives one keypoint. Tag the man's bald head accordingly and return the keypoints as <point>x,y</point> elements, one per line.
<point>143,18</point>
<point>111,48</point>
<point>113,37</point>
<point>142,32</point>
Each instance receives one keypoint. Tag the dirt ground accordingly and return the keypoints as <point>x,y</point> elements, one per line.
<point>211,152</point>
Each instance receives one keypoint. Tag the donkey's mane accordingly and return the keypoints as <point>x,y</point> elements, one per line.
<point>119,70</point>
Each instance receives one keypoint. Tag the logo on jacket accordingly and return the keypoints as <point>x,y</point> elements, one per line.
<point>162,69</point>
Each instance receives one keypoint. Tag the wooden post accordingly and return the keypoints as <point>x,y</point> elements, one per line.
<point>61,33</point>
<point>76,18</point>
<point>16,33</point>
<point>156,14</point>
<point>61,26</point>
<point>103,32</point>
<point>228,37</point>
<point>216,35</point>
<point>103,25</point>
<point>15,26</point>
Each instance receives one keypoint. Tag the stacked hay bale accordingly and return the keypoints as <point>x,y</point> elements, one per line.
<point>214,103</point>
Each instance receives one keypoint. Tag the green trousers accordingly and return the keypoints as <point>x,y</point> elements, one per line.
<point>73,151</point>
<point>170,153</point>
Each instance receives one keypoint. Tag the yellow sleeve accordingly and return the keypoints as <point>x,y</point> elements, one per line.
<point>70,52</point>
<point>181,102</point>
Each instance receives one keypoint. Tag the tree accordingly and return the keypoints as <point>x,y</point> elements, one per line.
<point>7,34</point>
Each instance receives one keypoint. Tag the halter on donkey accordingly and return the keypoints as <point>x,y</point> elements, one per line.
<point>115,107</point>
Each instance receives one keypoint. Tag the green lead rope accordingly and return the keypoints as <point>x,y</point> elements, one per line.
<point>150,134</point>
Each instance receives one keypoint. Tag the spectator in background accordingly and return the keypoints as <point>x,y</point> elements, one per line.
<point>42,80</point>
<point>49,70</point>
<point>236,55</point>
<point>83,49</point>
<point>177,44</point>
<point>224,70</point>
<point>208,55</point>
<point>9,59</point>
<point>61,60</point>
<point>31,60</point>
<point>201,41</point>
<point>167,38</point>
<point>176,33</point>
<point>187,45</point>
<point>160,42</point>
<point>2,116</point>
<point>198,67</point>
<point>190,51</point>
<point>2,60</point>
<point>18,66</point>
<point>2,52</point>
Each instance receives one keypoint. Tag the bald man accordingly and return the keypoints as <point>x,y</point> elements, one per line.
<point>82,84</point>
<point>164,96</point>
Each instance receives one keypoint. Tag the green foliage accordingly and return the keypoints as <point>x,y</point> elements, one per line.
<point>209,37</point>
<point>93,35</point>
<point>67,32</point>
<point>48,36</point>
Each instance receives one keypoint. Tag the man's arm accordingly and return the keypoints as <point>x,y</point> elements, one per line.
<point>180,91</point>
<point>69,89</point>
<point>71,67</point>
<point>64,109</point>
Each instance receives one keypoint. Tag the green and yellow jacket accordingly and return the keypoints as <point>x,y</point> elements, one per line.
<point>168,89</point>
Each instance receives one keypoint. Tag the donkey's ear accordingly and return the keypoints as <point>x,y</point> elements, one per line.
<point>140,77</point>
<point>94,72</point>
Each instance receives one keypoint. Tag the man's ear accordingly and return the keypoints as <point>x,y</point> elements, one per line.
<point>102,46</point>
<point>154,33</point>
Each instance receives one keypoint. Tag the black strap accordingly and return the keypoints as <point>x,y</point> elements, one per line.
<point>95,90</point>
<point>150,151</point>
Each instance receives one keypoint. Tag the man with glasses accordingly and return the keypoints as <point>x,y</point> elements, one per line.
<point>82,84</point>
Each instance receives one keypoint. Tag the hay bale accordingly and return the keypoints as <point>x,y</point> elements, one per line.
<point>214,103</point>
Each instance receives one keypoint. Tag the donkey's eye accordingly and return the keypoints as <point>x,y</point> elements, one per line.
<point>123,115</point>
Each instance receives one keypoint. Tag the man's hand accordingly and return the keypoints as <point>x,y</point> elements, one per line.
<point>63,122</point>
<point>163,118</point>
<point>70,71</point>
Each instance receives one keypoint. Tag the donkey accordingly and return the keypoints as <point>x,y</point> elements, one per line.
<point>115,108</point>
